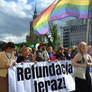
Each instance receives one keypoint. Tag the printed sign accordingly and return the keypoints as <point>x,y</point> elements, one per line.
<point>42,77</point>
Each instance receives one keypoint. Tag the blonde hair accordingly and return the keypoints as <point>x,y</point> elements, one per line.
<point>79,47</point>
<point>30,49</point>
<point>23,49</point>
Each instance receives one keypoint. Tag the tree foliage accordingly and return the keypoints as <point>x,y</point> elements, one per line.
<point>52,38</point>
<point>20,45</point>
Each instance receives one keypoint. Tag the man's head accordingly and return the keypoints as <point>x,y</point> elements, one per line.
<point>44,46</point>
<point>10,47</point>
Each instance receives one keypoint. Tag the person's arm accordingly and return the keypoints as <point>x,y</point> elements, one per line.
<point>5,67</point>
<point>14,63</point>
<point>3,62</point>
<point>34,58</point>
<point>90,63</point>
<point>39,56</point>
<point>48,56</point>
<point>76,59</point>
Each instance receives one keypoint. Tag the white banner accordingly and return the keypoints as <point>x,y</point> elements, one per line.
<point>42,77</point>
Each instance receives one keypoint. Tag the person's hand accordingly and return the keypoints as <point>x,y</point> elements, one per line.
<point>56,60</point>
<point>22,63</point>
<point>7,66</point>
<point>14,63</point>
<point>89,64</point>
<point>84,65</point>
<point>49,60</point>
<point>35,61</point>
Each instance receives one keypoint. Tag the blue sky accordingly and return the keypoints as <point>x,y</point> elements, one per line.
<point>28,1</point>
<point>11,0</point>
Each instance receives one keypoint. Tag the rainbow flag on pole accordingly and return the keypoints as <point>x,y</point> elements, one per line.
<point>59,10</point>
<point>40,24</point>
<point>74,8</point>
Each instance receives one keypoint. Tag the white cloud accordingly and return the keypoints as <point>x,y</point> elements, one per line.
<point>22,1</point>
<point>15,18</point>
<point>42,4</point>
<point>14,38</point>
<point>16,9</point>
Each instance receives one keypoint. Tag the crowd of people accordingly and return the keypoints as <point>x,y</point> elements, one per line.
<point>10,56</point>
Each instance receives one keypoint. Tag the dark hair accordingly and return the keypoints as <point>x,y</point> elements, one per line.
<point>43,44</point>
<point>60,48</point>
<point>10,45</point>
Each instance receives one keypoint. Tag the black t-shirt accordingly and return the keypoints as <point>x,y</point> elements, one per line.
<point>21,59</point>
<point>60,56</point>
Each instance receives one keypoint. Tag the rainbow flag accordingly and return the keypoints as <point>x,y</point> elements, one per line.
<point>74,8</point>
<point>59,10</point>
<point>40,24</point>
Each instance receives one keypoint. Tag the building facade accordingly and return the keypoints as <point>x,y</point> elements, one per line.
<point>31,38</point>
<point>73,35</point>
<point>76,31</point>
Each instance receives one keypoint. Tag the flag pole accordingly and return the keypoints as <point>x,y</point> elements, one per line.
<point>87,30</point>
<point>88,23</point>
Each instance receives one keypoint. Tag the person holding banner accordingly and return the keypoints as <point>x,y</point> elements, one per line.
<point>90,50</point>
<point>24,53</point>
<point>60,54</point>
<point>7,59</point>
<point>42,54</point>
<point>50,52</point>
<point>82,60</point>
<point>39,54</point>
<point>45,52</point>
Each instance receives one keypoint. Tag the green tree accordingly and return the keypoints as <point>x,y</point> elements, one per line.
<point>20,45</point>
<point>52,38</point>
